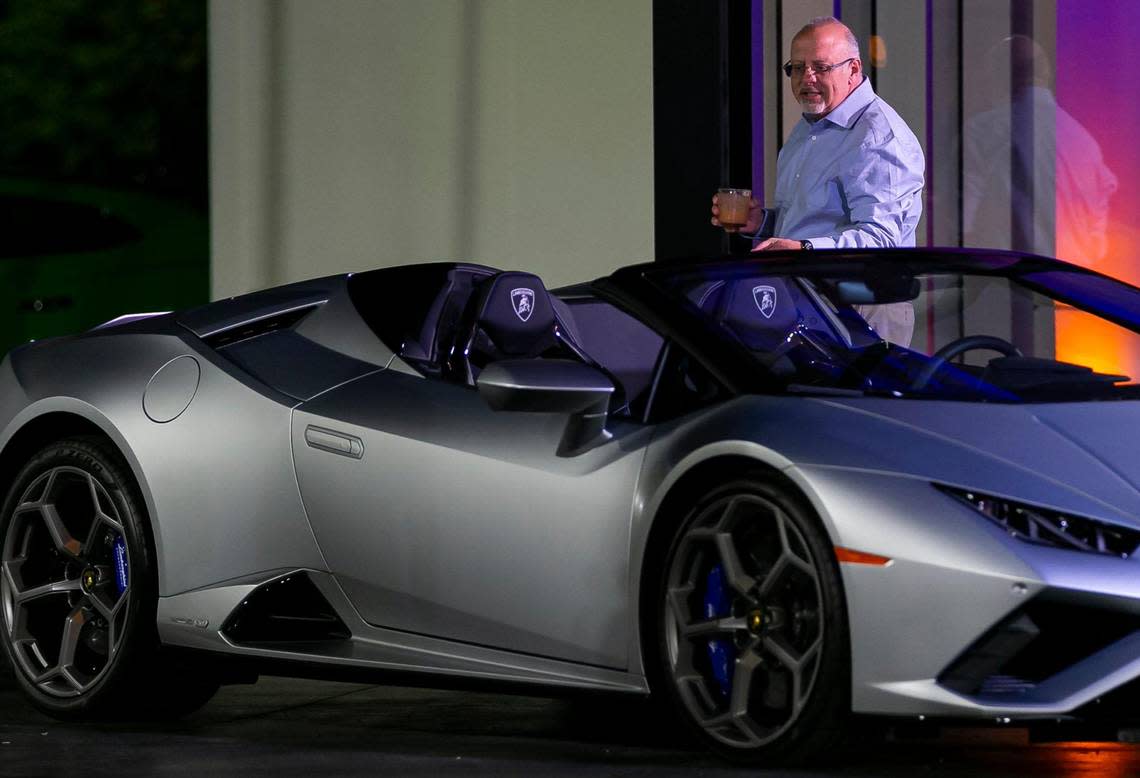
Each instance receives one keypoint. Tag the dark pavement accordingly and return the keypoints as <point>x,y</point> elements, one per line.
<point>281,727</point>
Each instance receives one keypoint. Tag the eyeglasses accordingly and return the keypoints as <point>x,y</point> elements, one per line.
<point>799,69</point>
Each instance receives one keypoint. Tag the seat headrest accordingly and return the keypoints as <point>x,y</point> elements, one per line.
<point>761,311</point>
<point>516,314</point>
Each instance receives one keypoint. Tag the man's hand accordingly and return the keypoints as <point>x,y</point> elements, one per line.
<point>755,216</point>
<point>777,244</point>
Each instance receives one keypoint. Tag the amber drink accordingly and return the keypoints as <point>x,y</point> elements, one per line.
<point>733,205</point>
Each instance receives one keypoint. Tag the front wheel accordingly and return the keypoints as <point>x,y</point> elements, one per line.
<point>751,626</point>
<point>78,589</point>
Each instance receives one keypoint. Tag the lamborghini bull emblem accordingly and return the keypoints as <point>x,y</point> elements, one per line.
<point>765,297</point>
<point>522,300</point>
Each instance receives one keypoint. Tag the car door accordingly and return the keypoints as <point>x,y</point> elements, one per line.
<point>442,517</point>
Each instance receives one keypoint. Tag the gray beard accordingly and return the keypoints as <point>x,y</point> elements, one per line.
<point>813,109</point>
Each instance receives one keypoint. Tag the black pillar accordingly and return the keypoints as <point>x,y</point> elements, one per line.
<point>702,124</point>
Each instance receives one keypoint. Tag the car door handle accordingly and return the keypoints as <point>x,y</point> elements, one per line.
<point>334,442</point>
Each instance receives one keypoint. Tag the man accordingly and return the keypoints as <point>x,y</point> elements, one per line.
<point>851,172</point>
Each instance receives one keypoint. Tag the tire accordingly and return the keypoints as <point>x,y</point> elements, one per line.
<point>751,632</point>
<point>79,590</point>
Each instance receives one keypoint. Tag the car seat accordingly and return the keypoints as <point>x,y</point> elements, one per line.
<point>511,316</point>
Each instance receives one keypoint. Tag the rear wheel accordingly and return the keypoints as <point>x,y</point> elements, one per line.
<point>78,590</point>
<point>751,627</point>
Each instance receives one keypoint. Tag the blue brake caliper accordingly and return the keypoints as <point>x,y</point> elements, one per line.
<point>722,653</point>
<point>119,551</point>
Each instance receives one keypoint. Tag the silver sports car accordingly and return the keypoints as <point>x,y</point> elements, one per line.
<point>763,490</point>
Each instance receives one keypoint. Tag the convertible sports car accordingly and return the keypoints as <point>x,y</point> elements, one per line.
<point>713,481</point>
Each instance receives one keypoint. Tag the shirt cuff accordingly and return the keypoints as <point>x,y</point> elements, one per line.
<point>822,243</point>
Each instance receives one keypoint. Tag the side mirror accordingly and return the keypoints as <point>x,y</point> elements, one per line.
<point>552,386</point>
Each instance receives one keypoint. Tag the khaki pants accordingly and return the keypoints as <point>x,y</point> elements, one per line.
<point>893,321</point>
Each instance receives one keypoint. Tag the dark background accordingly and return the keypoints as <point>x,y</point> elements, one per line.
<point>112,93</point>
<point>104,164</point>
<point>702,117</point>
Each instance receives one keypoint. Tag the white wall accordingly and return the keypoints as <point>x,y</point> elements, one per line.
<point>349,134</point>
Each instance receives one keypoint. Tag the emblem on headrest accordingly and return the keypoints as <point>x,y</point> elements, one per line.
<point>522,300</point>
<point>765,297</point>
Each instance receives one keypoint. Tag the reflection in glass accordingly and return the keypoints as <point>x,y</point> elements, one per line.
<point>1054,193</point>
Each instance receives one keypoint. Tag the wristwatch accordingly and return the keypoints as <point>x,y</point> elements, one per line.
<point>806,245</point>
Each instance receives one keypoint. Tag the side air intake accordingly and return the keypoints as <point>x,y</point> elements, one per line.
<point>1037,641</point>
<point>285,610</point>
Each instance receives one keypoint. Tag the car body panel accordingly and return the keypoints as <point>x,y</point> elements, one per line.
<point>191,620</point>
<point>445,559</point>
<point>194,470</point>
<point>1074,445</point>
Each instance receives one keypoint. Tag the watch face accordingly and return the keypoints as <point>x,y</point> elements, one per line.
<point>806,245</point>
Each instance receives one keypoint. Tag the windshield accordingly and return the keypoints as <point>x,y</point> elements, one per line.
<point>997,331</point>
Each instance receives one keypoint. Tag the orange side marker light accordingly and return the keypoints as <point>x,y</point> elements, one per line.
<point>860,557</point>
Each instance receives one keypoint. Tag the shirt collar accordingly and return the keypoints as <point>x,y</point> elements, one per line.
<point>849,110</point>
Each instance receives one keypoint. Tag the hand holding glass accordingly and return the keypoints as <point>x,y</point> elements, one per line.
<point>733,206</point>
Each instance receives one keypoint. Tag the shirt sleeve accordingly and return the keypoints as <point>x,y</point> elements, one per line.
<point>882,186</point>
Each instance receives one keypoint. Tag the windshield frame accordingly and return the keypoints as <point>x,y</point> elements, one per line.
<point>642,291</point>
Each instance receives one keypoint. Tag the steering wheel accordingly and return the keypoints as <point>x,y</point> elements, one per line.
<point>961,346</point>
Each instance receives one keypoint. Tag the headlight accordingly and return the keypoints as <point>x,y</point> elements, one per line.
<point>1050,528</point>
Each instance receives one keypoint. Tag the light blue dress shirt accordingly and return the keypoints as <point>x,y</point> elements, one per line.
<point>851,179</point>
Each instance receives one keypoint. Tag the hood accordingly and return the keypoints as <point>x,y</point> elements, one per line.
<point>1074,457</point>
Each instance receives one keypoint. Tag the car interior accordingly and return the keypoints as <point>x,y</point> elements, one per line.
<point>448,321</point>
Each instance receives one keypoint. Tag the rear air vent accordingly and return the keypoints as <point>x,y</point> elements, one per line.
<point>285,610</point>
<point>252,329</point>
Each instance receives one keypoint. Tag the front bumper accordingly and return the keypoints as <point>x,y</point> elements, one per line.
<point>967,621</point>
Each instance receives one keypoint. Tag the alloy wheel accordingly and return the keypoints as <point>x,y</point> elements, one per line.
<point>743,620</point>
<point>65,582</point>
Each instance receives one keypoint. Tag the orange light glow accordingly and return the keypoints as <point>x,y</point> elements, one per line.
<point>1091,341</point>
<point>1107,242</point>
<point>850,556</point>
<point>1104,760</point>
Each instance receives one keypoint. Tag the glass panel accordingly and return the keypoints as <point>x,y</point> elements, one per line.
<point>847,327</point>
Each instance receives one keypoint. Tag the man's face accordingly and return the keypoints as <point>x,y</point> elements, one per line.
<point>819,93</point>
